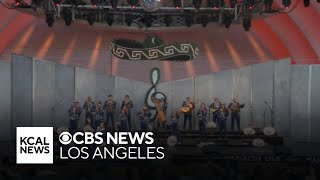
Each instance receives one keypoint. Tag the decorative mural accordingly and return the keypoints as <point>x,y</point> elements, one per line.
<point>153,48</point>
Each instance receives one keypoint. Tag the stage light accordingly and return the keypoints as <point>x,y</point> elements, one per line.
<point>67,16</point>
<point>18,3</point>
<point>286,3</point>
<point>246,22</point>
<point>306,3</point>
<point>188,19</point>
<point>204,20</point>
<point>91,18</point>
<point>167,20</point>
<point>50,18</point>
<point>196,4</point>
<point>109,19</point>
<point>177,3</point>
<point>129,19</point>
<point>227,20</point>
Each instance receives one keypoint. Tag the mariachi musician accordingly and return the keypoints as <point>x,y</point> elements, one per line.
<point>110,107</point>
<point>98,117</point>
<point>214,108</point>
<point>124,119</point>
<point>144,116</point>
<point>202,117</point>
<point>74,116</point>
<point>129,105</point>
<point>89,108</point>
<point>187,108</point>
<point>223,114</point>
<point>161,107</point>
<point>235,107</point>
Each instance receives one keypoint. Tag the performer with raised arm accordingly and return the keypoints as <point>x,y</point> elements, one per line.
<point>144,116</point>
<point>202,117</point>
<point>74,116</point>
<point>235,107</point>
<point>89,108</point>
<point>98,116</point>
<point>214,108</point>
<point>110,108</point>
<point>223,114</point>
<point>187,108</point>
<point>129,105</point>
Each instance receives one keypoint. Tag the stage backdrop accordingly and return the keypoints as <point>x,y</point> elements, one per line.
<point>42,92</point>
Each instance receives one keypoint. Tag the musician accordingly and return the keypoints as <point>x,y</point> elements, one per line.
<point>235,107</point>
<point>187,115</point>
<point>89,108</point>
<point>214,107</point>
<point>202,117</point>
<point>129,105</point>
<point>124,119</point>
<point>110,107</point>
<point>144,116</point>
<point>174,118</point>
<point>98,116</point>
<point>161,106</point>
<point>223,114</point>
<point>74,116</point>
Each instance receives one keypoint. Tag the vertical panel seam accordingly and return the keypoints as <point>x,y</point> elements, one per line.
<point>309,101</point>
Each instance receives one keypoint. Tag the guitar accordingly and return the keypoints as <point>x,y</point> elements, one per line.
<point>189,107</point>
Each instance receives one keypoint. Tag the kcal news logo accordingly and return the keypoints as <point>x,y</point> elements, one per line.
<point>34,145</point>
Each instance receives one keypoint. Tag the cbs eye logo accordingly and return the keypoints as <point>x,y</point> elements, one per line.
<point>65,138</point>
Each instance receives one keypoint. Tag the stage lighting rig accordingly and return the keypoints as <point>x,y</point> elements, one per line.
<point>177,4</point>
<point>57,2</point>
<point>215,4</point>
<point>50,18</point>
<point>188,16</point>
<point>133,3</point>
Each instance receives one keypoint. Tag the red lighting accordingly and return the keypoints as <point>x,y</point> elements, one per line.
<point>215,8</point>
<point>17,3</point>
<point>287,7</point>
<point>250,7</point>
<point>133,7</point>
<point>94,5</point>
<point>177,7</point>
<point>57,4</point>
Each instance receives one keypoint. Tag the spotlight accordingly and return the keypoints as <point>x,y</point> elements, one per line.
<point>286,3</point>
<point>306,3</point>
<point>196,4</point>
<point>91,18</point>
<point>67,16</point>
<point>204,20</point>
<point>57,2</point>
<point>129,19</point>
<point>227,20</point>
<point>167,20</point>
<point>109,19</point>
<point>246,23</point>
<point>188,19</point>
<point>50,18</point>
<point>177,3</point>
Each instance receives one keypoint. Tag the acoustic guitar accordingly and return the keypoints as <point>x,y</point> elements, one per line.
<point>189,107</point>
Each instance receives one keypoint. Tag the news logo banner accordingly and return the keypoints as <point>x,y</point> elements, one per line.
<point>34,145</point>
